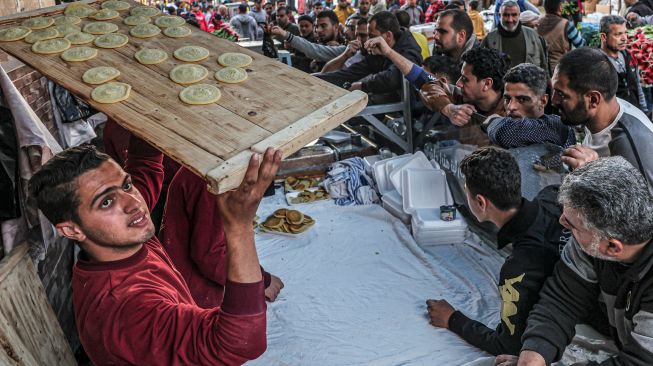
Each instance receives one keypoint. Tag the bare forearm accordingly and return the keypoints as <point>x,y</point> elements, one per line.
<point>403,64</point>
<point>243,264</point>
<point>335,64</point>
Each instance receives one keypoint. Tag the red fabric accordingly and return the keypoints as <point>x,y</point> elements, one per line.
<point>201,20</point>
<point>139,311</point>
<point>193,236</point>
<point>116,142</point>
<point>432,10</point>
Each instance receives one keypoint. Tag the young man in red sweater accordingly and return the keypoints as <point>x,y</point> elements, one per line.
<point>132,307</point>
<point>192,234</point>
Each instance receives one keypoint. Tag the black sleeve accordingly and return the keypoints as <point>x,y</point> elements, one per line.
<point>566,297</point>
<point>390,79</point>
<point>351,74</point>
<point>521,279</point>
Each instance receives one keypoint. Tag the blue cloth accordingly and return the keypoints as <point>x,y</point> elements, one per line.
<point>418,77</point>
<point>348,184</point>
<point>517,132</point>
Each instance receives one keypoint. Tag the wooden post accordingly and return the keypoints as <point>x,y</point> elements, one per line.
<point>29,331</point>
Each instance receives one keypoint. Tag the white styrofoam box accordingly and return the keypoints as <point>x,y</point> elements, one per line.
<point>417,161</point>
<point>370,160</point>
<point>380,173</point>
<point>435,164</point>
<point>429,220</point>
<point>392,203</point>
<point>424,188</point>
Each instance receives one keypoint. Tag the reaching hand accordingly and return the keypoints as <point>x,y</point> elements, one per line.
<point>273,290</point>
<point>439,313</point>
<point>633,17</point>
<point>238,207</point>
<point>377,46</point>
<point>352,48</point>
<point>277,31</point>
<point>578,155</point>
<point>459,115</point>
<point>506,360</point>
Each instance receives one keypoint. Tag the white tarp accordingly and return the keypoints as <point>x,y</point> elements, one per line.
<point>355,290</point>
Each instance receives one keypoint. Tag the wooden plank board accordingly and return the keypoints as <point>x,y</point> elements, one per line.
<point>276,106</point>
<point>29,331</point>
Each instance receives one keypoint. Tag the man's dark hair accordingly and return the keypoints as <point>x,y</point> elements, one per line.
<point>54,187</point>
<point>171,10</point>
<point>386,22</point>
<point>487,63</point>
<point>474,4</point>
<point>460,21</point>
<point>589,69</point>
<point>441,64</point>
<point>281,8</point>
<point>451,6</point>
<point>306,18</point>
<point>318,3</point>
<point>609,20</point>
<point>403,18</point>
<point>493,173</point>
<point>552,6</point>
<point>329,14</point>
<point>242,9</point>
<point>533,76</point>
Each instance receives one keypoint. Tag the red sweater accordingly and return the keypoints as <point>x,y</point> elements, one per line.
<point>139,310</point>
<point>193,236</point>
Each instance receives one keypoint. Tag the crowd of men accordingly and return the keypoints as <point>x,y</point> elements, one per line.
<point>193,292</point>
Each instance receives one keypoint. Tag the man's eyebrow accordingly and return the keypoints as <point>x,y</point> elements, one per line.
<point>109,189</point>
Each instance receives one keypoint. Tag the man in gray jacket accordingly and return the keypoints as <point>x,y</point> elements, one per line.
<point>608,262</point>
<point>522,44</point>
<point>244,24</point>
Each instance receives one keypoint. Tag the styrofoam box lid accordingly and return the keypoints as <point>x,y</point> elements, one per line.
<point>424,188</point>
<point>417,161</point>
<point>402,216</point>
<point>393,198</point>
<point>429,219</point>
<point>380,173</point>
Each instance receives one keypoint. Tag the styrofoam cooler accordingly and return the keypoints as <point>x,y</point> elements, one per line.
<point>393,204</point>
<point>380,171</point>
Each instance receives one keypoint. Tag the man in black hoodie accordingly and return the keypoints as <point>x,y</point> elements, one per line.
<point>493,186</point>
<point>609,210</point>
<point>377,74</point>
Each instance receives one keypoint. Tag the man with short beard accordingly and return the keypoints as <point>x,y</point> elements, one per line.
<point>363,10</point>
<point>584,91</point>
<point>522,44</point>
<point>524,98</point>
<point>605,266</point>
<point>355,52</point>
<point>132,306</point>
<point>614,38</point>
<point>306,31</point>
<point>454,35</point>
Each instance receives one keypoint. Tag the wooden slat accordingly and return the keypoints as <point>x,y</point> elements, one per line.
<point>29,331</point>
<point>202,138</point>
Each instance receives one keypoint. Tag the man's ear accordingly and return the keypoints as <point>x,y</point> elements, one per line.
<point>487,84</point>
<point>595,98</point>
<point>544,100</point>
<point>615,248</point>
<point>71,231</point>
<point>461,36</point>
<point>481,201</point>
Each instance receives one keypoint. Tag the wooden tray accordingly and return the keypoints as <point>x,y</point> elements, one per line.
<point>276,106</point>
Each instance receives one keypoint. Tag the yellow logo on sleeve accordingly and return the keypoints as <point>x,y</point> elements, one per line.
<point>509,297</point>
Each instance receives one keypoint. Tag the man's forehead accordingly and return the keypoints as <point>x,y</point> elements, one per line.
<point>109,173</point>
<point>517,89</point>
<point>511,10</point>
<point>443,23</point>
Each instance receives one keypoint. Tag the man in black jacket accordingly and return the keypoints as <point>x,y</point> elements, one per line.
<point>609,210</point>
<point>493,186</point>
<point>376,74</point>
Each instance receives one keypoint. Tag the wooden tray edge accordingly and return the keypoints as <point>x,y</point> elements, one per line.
<point>40,12</point>
<point>230,174</point>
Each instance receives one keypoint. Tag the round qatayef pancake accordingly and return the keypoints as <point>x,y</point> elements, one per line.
<point>166,21</point>
<point>40,35</point>
<point>14,33</point>
<point>177,32</point>
<point>50,46</point>
<point>231,75</point>
<point>100,28</point>
<point>112,92</point>
<point>145,31</point>
<point>136,20</point>
<point>67,19</point>
<point>150,56</point>
<point>147,11</point>
<point>115,5</point>
<point>199,94</point>
<point>80,38</point>
<point>191,53</point>
<point>111,40</point>
<point>100,75</point>
<point>66,29</point>
<point>78,54</point>
<point>37,23</point>
<point>233,59</point>
<point>104,14</point>
<point>188,74</point>
<point>79,10</point>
